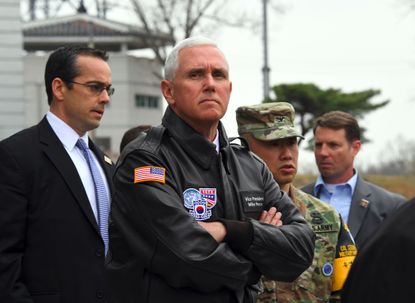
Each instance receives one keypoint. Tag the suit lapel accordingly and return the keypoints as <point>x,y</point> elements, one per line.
<point>359,207</point>
<point>56,153</point>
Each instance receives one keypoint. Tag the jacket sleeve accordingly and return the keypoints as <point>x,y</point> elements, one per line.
<point>281,252</point>
<point>13,213</point>
<point>150,219</point>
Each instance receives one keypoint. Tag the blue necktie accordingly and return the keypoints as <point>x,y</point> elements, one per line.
<point>102,199</point>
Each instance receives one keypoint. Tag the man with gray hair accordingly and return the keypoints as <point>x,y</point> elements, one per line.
<point>194,218</point>
<point>270,133</point>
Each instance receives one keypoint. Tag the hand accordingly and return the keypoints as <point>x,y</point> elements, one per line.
<point>216,229</point>
<point>272,216</point>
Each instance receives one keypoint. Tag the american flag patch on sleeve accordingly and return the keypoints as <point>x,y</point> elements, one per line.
<point>150,173</point>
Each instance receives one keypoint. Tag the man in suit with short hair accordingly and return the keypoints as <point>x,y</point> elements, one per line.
<point>362,204</point>
<point>55,189</point>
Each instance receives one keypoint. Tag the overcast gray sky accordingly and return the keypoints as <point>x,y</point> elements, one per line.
<point>351,45</point>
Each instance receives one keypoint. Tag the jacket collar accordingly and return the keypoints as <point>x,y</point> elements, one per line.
<point>195,145</point>
<point>56,153</point>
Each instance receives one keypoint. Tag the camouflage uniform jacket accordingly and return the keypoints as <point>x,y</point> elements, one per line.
<point>315,284</point>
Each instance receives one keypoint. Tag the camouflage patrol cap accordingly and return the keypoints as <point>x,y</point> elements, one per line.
<point>267,121</point>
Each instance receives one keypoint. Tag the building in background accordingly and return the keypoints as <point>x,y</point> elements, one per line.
<point>12,104</point>
<point>137,98</point>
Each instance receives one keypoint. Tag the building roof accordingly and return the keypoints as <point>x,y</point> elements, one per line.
<point>48,34</point>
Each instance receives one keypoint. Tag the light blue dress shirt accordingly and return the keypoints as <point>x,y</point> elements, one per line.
<point>337,195</point>
<point>68,137</point>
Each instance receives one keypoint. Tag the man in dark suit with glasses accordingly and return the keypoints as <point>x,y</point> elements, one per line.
<point>55,188</point>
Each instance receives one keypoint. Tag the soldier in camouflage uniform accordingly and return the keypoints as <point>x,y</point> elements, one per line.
<point>269,131</point>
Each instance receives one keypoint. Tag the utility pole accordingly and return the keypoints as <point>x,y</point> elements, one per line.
<point>104,9</point>
<point>32,9</point>
<point>265,69</point>
<point>46,9</point>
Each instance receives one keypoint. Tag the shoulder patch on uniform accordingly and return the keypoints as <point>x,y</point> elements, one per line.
<point>200,202</point>
<point>150,173</point>
<point>327,269</point>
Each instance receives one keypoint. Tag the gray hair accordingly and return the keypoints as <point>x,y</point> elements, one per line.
<point>172,60</point>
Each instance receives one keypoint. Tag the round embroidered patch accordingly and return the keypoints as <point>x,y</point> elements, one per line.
<point>327,269</point>
<point>191,195</point>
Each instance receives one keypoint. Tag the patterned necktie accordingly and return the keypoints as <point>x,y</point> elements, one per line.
<point>102,199</point>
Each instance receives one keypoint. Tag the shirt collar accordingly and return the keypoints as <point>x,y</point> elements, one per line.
<point>216,141</point>
<point>320,183</point>
<point>66,134</point>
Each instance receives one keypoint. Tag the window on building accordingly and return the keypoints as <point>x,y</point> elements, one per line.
<point>143,101</point>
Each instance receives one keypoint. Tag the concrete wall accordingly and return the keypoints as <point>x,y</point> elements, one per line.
<point>36,104</point>
<point>12,117</point>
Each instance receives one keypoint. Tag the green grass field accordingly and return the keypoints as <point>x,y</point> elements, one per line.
<point>405,185</point>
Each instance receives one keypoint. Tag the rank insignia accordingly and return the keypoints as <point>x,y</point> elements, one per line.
<point>200,202</point>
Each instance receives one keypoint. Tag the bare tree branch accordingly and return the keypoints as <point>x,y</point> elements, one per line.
<point>198,16</point>
<point>172,19</point>
<point>187,17</point>
<point>165,16</point>
<point>149,37</point>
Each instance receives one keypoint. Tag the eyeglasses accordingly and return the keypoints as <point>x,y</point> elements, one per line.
<point>96,88</point>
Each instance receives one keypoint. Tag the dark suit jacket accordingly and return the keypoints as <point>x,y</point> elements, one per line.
<point>50,246</point>
<point>370,205</point>
<point>383,271</point>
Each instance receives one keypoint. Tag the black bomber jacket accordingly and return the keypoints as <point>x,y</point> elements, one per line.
<point>158,251</point>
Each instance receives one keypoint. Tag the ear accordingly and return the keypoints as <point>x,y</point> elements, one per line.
<point>58,89</point>
<point>356,145</point>
<point>230,86</point>
<point>167,91</point>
